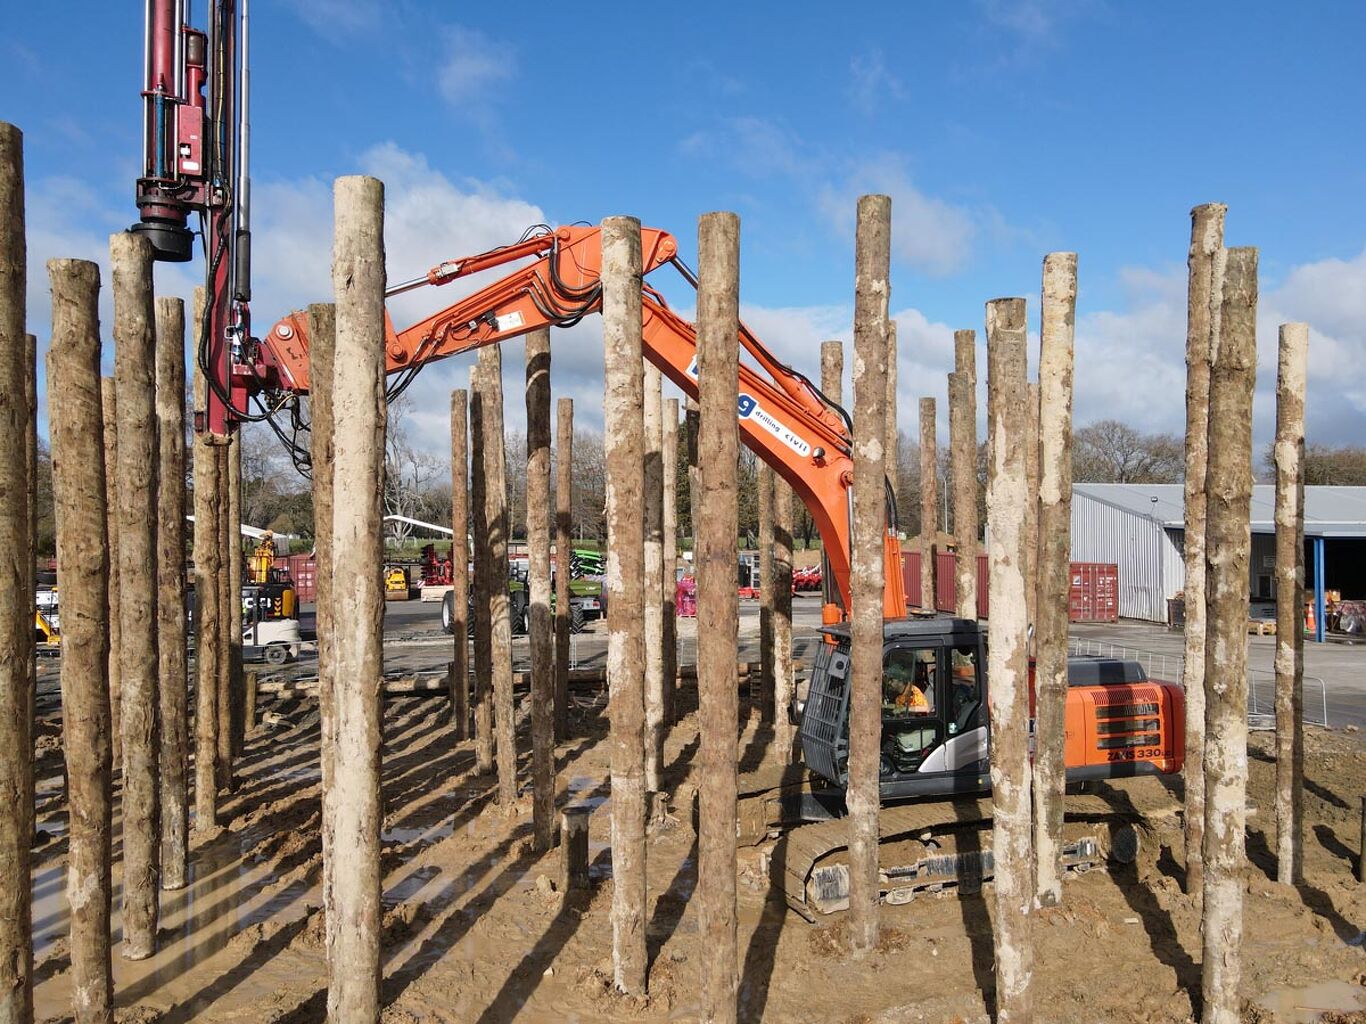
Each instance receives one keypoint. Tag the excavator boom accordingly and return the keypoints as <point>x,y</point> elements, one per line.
<point>783,417</point>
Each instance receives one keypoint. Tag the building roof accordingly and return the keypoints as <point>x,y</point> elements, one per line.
<point>1328,511</point>
<point>255,533</point>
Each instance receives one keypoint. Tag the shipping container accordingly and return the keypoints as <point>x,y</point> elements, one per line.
<point>1094,587</point>
<point>303,571</point>
<point>945,581</point>
<point>910,577</point>
<point>1146,549</point>
<point>1093,592</point>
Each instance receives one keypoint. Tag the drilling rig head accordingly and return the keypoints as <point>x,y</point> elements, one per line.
<point>172,241</point>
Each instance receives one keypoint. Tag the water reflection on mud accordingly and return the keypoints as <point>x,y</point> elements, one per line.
<point>228,893</point>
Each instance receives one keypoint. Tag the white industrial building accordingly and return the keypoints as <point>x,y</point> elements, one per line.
<point>1141,529</point>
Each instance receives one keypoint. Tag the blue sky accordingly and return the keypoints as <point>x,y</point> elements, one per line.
<point>1001,130</point>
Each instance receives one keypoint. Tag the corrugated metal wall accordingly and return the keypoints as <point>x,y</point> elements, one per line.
<point>1174,563</point>
<point>1140,547</point>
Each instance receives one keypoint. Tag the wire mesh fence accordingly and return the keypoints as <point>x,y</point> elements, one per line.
<point>1261,684</point>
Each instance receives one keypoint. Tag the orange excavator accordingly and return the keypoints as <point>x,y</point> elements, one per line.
<point>1124,731</point>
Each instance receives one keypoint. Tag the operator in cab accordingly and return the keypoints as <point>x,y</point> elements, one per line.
<point>905,684</point>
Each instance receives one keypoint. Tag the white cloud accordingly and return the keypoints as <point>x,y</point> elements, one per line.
<point>1130,359</point>
<point>66,219</point>
<point>872,84</point>
<point>1330,296</point>
<point>428,218</point>
<point>1035,25</point>
<point>928,233</point>
<point>1131,362</point>
<point>1032,20</point>
<point>336,19</point>
<point>755,146</point>
<point>1333,290</point>
<point>924,350</point>
<point>472,63</point>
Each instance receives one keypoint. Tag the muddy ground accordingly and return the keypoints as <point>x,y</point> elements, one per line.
<point>475,931</point>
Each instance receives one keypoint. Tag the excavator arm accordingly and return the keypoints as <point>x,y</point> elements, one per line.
<point>783,418</point>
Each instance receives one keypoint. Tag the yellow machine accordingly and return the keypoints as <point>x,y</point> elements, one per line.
<point>262,559</point>
<point>268,589</point>
<point>45,632</point>
<point>396,584</point>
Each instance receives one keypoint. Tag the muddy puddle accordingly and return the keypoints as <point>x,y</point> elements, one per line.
<point>1308,1005</point>
<point>228,894</point>
<point>416,834</point>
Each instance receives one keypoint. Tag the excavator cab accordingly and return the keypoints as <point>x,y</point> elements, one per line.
<point>934,728</point>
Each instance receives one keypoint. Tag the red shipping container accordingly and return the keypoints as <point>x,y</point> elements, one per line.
<point>1093,597</point>
<point>910,577</point>
<point>945,582</point>
<point>1093,592</point>
<point>303,571</point>
<point>983,575</point>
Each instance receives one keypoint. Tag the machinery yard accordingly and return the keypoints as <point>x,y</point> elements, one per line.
<point>433,588</point>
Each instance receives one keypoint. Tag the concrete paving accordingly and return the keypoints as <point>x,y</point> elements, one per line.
<point>414,641</point>
<point>1334,672</point>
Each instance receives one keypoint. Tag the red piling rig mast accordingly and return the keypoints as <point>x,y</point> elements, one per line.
<point>195,150</point>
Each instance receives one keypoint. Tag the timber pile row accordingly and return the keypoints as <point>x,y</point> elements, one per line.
<point>579,678</point>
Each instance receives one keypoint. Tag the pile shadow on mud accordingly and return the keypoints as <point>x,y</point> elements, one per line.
<point>475,929</point>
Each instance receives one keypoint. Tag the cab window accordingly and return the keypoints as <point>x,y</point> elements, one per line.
<point>908,681</point>
<point>911,698</point>
<point>965,688</point>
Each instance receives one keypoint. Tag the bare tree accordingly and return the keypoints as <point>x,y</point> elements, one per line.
<point>274,495</point>
<point>515,445</point>
<point>1325,465</point>
<point>1112,452</point>
<point>747,465</point>
<point>590,486</point>
<point>410,474</point>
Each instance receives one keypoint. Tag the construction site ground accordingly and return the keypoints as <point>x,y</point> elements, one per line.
<point>475,929</point>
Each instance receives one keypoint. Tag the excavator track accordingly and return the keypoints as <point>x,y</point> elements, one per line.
<point>945,845</point>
